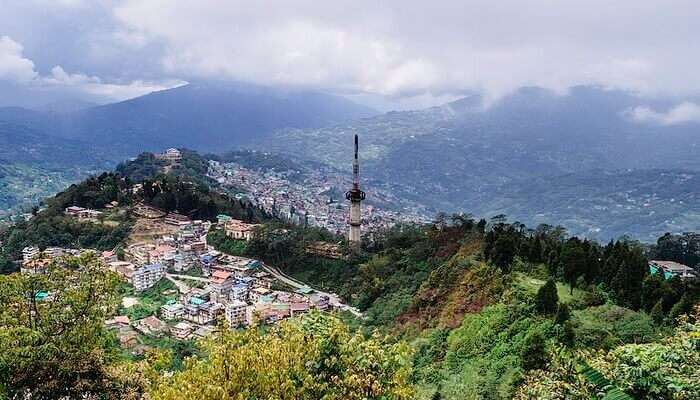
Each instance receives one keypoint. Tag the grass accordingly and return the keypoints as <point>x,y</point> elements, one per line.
<point>532,285</point>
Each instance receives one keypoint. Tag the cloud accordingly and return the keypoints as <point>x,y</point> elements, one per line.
<point>413,46</point>
<point>13,66</point>
<point>17,69</point>
<point>680,114</point>
<point>406,48</point>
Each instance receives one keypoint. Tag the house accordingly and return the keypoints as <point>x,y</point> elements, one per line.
<point>151,326</point>
<point>239,230</point>
<point>74,211</point>
<point>171,155</point>
<point>221,282</point>
<point>172,311</point>
<point>324,249</point>
<point>321,302</point>
<point>176,220</point>
<point>239,292</point>
<point>29,253</point>
<point>147,276</point>
<point>35,266</point>
<point>123,268</point>
<point>256,294</point>
<point>671,269</point>
<point>109,256</point>
<point>181,330</point>
<point>119,321</point>
<point>235,313</point>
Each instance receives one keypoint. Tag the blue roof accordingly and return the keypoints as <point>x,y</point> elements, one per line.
<point>41,295</point>
<point>196,301</point>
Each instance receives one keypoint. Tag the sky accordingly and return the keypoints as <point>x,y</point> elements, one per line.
<point>391,54</point>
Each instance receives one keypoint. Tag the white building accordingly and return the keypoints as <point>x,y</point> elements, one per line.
<point>235,313</point>
<point>172,311</point>
<point>146,277</point>
<point>181,330</point>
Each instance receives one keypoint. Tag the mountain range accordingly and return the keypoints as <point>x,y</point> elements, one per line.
<point>580,159</point>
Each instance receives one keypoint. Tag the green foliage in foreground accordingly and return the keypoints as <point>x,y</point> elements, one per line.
<point>315,357</point>
<point>56,347</point>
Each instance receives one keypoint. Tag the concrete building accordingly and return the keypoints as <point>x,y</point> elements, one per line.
<point>181,330</point>
<point>239,230</point>
<point>236,313</point>
<point>147,276</point>
<point>172,311</point>
<point>671,269</point>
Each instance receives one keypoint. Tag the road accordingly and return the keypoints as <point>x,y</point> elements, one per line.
<point>334,300</point>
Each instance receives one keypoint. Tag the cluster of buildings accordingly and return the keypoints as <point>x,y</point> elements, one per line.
<point>35,261</point>
<point>316,200</point>
<point>146,263</point>
<point>82,213</point>
<point>237,291</point>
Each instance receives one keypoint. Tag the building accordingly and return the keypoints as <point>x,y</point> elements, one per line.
<point>235,313</point>
<point>29,252</point>
<point>321,302</point>
<point>181,330</point>
<point>176,220</point>
<point>256,294</point>
<point>151,326</point>
<point>324,249</point>
<point>35,266</point>
<point>239,292</point>
<point>221,282</point>
<point>671,269</point>
<point>147,276</point>
<point>172,311</point>
<point>172,155</point>
<point>239,230</point>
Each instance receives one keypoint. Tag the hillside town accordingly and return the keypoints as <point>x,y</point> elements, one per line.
<point>208,287</point>
<point>316,200</point>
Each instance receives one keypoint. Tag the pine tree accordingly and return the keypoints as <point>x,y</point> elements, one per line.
<point>547,298</point>
<point>657,312</point>
<point>562,314</point>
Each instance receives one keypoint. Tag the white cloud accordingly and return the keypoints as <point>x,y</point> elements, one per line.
<point>435,47</point>
<point>13,66</point>
<point>682,113</point>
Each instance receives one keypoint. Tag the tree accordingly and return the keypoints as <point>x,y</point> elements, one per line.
<point>563,314</point>
<point>52,333</point>
<point>547,298</point>
<point>311,358</point>
<point>534,355</point>
<point>657,312</point>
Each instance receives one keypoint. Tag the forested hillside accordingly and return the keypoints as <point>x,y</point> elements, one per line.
<point>494,310</point>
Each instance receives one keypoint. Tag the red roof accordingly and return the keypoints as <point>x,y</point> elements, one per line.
<point>220,276</point>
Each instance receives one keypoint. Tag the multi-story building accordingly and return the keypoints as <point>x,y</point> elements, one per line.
<point>239,230</point>
<point>181,330</point>
<point>221,282</point>
<point>172,311</point>
<point>671,269</point>
<point>239,292</point>
<point>147,276</point>
<point>235,313</point>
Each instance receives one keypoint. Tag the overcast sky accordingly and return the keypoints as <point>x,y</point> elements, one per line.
<point>412,52</point>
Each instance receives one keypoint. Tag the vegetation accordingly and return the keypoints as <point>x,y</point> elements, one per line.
<point>56,347</point>
<point>312,358</point>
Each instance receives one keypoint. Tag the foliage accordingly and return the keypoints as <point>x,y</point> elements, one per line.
<point>609,325</point>
<point>56,347</point>
<point>218,239</point>
<point>546,299</point>
<point>312,358</point>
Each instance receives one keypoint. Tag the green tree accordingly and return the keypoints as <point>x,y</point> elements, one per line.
<point>312,358</point>
<point>52,333</point>
<point>563,314</point>
<point>657,312</point>
<point>547,298</point>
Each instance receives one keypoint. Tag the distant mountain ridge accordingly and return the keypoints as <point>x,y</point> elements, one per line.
<point>462,157</point>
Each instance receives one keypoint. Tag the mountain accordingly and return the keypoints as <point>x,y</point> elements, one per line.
<point>206,116</point>
<point>67,138</point>
<point>34,165</point>
<point>466,157</point>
